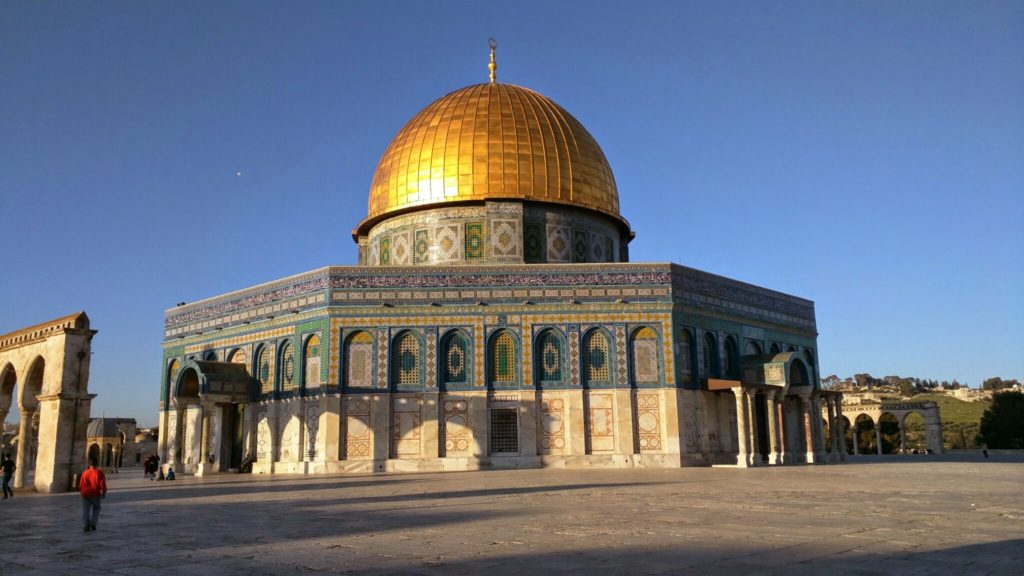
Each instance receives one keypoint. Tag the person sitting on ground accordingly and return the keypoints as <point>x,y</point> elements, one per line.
<point>170,473</point>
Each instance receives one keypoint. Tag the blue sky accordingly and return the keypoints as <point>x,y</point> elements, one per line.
<point>868,156</point>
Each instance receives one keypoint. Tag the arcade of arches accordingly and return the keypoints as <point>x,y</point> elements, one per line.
<point>44,373</point>
<point>893,427</point>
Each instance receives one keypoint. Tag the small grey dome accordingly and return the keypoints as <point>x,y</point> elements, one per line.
<point>102,428</point>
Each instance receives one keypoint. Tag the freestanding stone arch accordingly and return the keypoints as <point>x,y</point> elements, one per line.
<point>45,368</point>
<point>900,410</point>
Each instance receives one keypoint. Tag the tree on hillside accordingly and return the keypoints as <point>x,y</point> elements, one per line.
<point>1002,425</point>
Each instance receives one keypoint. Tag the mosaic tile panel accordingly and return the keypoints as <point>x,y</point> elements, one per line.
<point>620,355</point>
<point>401,249</point>
<point>505,238</point>
<point>265,368</point>
<point>385,251</point>
<point>648,422</point>
<point>431,345</point>
<point>474,241</point>
<point>558,244</point>
<point>449,243</point>
<point>574,356</point>
<point>580,246</point>
<point>357,428</point>
<point>533,242</point>
<point>551,429</point>
<point>597,248</point>
<point>313,410</point>
<point>382,358</point>
<point>609,250</point>
<point>597,358</point>
<point>421,247</point>
<point>457,359</point>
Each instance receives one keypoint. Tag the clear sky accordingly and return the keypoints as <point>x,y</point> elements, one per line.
<point>868,156</point>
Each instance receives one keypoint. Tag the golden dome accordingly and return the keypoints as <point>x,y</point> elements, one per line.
<point>492,142</point>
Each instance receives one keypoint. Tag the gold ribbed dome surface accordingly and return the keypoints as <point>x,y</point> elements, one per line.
<point>489,142</point>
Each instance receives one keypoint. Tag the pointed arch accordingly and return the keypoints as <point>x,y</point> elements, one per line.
<point>712,364</point>
<point>549,357</point>
<point>311,362</point>
<point>407,361</point>
<point>753,348</point>
<point>731,369</point>
<point>597,358</point>
<point>237,356</point>
<point>502,359</point>
<point>687,356</point>
<point>359,364</point>
<point>287,374</point>
<point>644,364</point>
<point>263,364</point>
<point>456,359</point>
<point>32,385</point>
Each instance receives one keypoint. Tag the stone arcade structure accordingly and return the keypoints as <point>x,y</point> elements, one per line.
<point>873,413</point>
<point>493,320</point>
<point>45,369</point>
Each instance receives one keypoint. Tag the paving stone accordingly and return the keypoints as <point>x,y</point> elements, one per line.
<point>925,517</point>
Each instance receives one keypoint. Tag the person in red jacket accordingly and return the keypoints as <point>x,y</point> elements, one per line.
<point>93,487</point>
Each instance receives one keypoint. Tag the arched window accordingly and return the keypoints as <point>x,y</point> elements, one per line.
<point>644,350</point>
<point>712,368</point>
<point>775,349</point>
<point>210,356</point>
<point>503,359</point>
<point>596,359</point>
<point>456,358</point>
<point>732,368</point>
<point>265,369</point>
<point>548,358</point>
<point>405,362</point>
<point>359,360</point>
<point>288,381</point>
<point>237,356</point>
<point>311,362</point>
<point>753,348</point>
<point>172,372</point>
<point>687,355</point>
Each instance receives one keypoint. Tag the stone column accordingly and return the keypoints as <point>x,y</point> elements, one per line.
<point>903,435</point>
<point>833,429</point>
<point>755,444</point>
<point>808,425</point>
<point>841,425</point>
<point>774,455</point>
<point>878,438</point>
<point>178,440</point>
<point>743,453</point>
<point>24,444</point>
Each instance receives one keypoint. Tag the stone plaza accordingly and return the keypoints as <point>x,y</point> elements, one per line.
<point>954,514</point>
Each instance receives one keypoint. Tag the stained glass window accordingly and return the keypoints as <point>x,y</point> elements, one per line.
<point>456,356</point>
<point>312,361</point>
<point>549,357</point>
<point>595,359</point>
<point>288,368</point>
<point>503,358</point>
<point>406,361</point>
<point>359,360</point>
<point>645,356</point>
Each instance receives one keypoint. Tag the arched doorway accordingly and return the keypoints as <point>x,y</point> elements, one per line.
<point>913,428</point>
<point>866,442</point>
<point>189,432</point>
<point>889,433</point>
<point>848,435</point>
